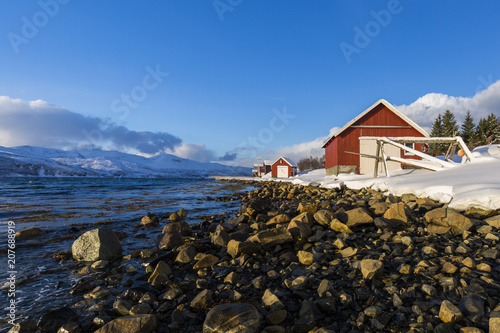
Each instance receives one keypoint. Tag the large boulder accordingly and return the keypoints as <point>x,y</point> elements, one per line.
<point>170,241</point>
<point>181,227</point>
<point>141,323</point>
<point>232,318</point>
<point>446,220</point>
<point>52,320</point>
<point>97,244</point>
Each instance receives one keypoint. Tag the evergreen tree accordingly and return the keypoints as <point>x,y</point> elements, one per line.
<point>493,128</point>
<point>450,127</point>
<point>468,130</point>
<point>437,131</point>
<point>481,133</point>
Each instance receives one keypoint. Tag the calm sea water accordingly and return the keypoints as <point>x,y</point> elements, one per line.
<point>59,204</point>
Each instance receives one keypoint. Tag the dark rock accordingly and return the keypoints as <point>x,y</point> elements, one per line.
<point>51,321</point>
<point>170,241</point>
<point>29,233</point>
<point>472,307</point>
<point>150,220</point>
<point>235,317</point>
<point>141,323</point>
<point>181,227</point>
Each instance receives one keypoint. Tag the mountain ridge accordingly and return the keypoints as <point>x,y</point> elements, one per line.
<point>35,161</point>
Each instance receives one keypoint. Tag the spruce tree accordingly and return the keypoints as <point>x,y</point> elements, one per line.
<point>481,133</point>
<point>437,131</point>
<point>468,130</point>
<point>492,128</point>
<point>450,127</point>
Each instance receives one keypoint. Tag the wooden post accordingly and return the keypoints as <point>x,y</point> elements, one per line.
<point>385,160</point>
<point>377,161</point>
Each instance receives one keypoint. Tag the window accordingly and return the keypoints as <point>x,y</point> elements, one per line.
<point>409,145</point>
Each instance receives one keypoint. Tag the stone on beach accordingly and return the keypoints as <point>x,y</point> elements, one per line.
<point>97,244</point>
<point>232,318</point>
<point>141,323</point>
<point>29,233</point>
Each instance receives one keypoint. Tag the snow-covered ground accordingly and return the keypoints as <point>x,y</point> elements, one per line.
<point>467,185</point>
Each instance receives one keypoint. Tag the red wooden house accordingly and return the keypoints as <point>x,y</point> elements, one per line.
<point>381,119</point>
<point>284,168</point>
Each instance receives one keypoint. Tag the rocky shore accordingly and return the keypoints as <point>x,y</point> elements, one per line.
<point>293,259</point>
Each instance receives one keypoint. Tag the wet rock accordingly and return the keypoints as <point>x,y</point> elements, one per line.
<point>449,312</point>
<point>181,227</point>
<point>235,317</point>
<point>371,268</point>
<point>357,217</point>
<point>29,233</point>
<point>138,309</point>
<point>100,264</point>
<point>186,255</point>
<point>25,326</point>
<point>472,330</point>
<point>236,248</point>
<point>272,237</point>
<point>170,241</point>
<point>174,217</point>
<point>70,328</point>
<point>150,220</point>
<point>122,307</point>
<point>142,323</point>
<point>325,288</point>
<point>206,261</point>
<point>97,244</point>
<point>51,321</point>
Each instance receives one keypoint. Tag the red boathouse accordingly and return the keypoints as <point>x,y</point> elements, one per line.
<point>381,119</point>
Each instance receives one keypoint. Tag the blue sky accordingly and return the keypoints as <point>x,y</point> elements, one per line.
<point>232,64</point>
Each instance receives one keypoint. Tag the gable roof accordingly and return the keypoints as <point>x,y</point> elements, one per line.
<point>287,160</point>
<point>387,105</point>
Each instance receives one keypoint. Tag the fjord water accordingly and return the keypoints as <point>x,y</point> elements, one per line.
<point>67,207</point>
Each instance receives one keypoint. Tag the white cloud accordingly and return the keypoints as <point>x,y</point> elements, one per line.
<point>38,123</point>
<point>425,109</point>
<point>196,152</point>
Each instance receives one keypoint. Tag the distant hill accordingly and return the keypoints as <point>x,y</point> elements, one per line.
<point>36,161</point>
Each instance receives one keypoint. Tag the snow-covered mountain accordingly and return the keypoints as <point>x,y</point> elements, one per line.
<point>37,161</point>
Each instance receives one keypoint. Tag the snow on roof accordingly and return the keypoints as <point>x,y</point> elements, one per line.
<point>387,105</point>
<point>287,160</point>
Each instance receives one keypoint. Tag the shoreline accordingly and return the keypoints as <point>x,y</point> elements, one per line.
<point>299,259</point>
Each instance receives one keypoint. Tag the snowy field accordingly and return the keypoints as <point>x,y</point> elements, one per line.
<point>475,184</point>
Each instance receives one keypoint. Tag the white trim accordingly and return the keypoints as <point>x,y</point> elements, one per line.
<point>387,105</point>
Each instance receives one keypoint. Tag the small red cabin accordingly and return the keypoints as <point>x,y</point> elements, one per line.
<point>284,168</point>
<point>381,119</point>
